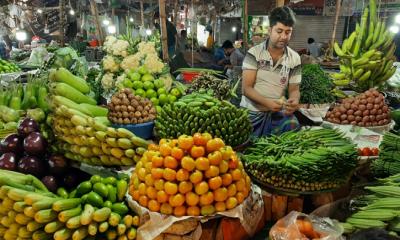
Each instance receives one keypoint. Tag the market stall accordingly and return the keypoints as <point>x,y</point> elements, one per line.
<point>116,141</point>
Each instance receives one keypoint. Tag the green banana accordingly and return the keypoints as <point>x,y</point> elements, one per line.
<point>391,50</point>
<point>365,76</point>
<point>377,31</point>
<point>338,76</point>
<point>360,61</point>
<point>350,41</point>
<point>343,82</point>
<point>338,50</point>
<point>358,73</point>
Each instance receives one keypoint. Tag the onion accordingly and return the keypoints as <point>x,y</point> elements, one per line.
<point>362,96</point>
<point>361,124</point>
<point>384,116</point>
<point>376,93</point>
<point>370,106</point>
<point>385,121</point>
<point>379,111</point>
<point>354,107</point>
<point>336,120</point>
<point>357,102</point>
<point>365,113</point>
<point>330,119</point>
<point>342,109</point>
<point>374,123</point>
<point>337,114</point>
<point>358,118</point>
<point>377,100</point>
<point>351,118</point>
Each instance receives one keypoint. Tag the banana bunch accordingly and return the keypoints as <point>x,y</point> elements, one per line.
<point>39,215</point>
<point>367,54</point>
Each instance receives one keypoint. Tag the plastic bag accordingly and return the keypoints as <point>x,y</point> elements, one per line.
<point>299,226</point>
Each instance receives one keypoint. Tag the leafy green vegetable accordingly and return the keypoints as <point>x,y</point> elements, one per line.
<point>316,86</point>
<point>95,83</point>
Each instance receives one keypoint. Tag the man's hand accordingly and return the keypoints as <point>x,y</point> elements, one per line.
<point>274,105</point>
<point>291,106</point>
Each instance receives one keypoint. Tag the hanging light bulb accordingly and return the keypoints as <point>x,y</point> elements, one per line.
<point>131,19</point>
<point>71,12</point>
<point>106,22</point>
<point>40,11</point>
<point>21,35</point>
<point>148,32</point>
<point>397,18</point>
<point>234,29</point>
<point>394,29</point>
<point>112,29</point>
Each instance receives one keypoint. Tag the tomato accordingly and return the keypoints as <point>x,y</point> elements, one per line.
<point>375,151</point>
<point>366,151</point>
<point>359,150</point>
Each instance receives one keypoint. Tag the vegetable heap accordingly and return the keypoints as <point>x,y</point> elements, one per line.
<point>389,156</point>
<point>202,113</point>
<point>217,87</point>
<point>126,108</point>
<point>315,85</point>
<point>309,160</point>
<point>95,210</point>
<point>379,209</point>
<point>82,129</point>
<point>8,67</point>
<point>365,110</point>
<point>189,176</point>
<point>367,56</point>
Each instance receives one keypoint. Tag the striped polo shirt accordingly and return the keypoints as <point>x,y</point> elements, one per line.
<point>271,81</point>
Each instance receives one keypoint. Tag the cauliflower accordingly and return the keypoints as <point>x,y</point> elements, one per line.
<point>130,62</point>
<point>109,64</point>
<point>147,48</point>
<point>120,48</point>
<point>120,81</point>
<point>108,43</point>
<point>153,63</point>
<point>107,81</point>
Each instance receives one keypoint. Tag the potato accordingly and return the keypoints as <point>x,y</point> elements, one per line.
<point>351,118</point>
<point>119,114</point>
<point>337,115</point>
<point>139,108</point>
<point>343,117</point>
<point>374,123</point>
<point>377,100</point>
<point>345,122</point>
<point>361,124</point>
<point>118,108</point>
<point>120,121</point>
<point>379,111</point>
<point>130,108</point>
<point>127,121</point>
<point>365,113</point>
<point>380,123</point>
<point>370,106</point>
<point>385,109</point>
<point>336,120</point>
<point>384,116</point>
<point>370,100</point>
<point>365,119</point>
<point>131,96</point>
<point>125,114</point>
<point>363,101</point>
<point>357,113</point>
<point>358,118</point>
<point>342,109</point>
<point>362,107</point>
<point>372,118</point>
<point>140,120</point>
<point>124,108</point>
<point>368,124</point>
<point>330,119</point>
<point>126,101</point>
<point>353,123</point>
<point>134,103</point>
<point>350,112</point>
<point>373,111</point>
<point>357,102</point>
<point>385,121</point>
<point>347,106</point>
<point>134,120</point>
<point>354,107</point>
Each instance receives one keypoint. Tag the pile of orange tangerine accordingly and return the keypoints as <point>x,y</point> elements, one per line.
<point>189,176</point>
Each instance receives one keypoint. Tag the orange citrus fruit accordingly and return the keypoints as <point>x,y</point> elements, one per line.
<point>185,142</point>
<point>154,206</point>
<point>169,174</point>
<point>232,190</point>
<point>151,193</point>
<point>196,177</point>
<point>202,163</point>
<point>188,163</point>
<point>157,173</point>
<point>170,162</point>
<point>193,211</point>
<point>185,187</point>
<point>192,199</point>
<point>157,161</point>
<point>213,171</point>
<point>162,197</point>
<point>176,200</point>
<point>201,188</point>
<point>180,211</point>
<point>170,188</point>
<point>199,139</point>
<point>221,194</point>
<point>143,200</point>
<point>182,175</point>
<point>215,158</point>
<point>177,153</point>
<point>206,199</point>
<point>197,151</point>
<point>215,182</point>
<point>159,184</point>
<point>166,209</point>
<point>226,179</point>
<point>231,202</point>
<point>223,167</point>
<point>220,206</point>
<point>165,150</point>
<point>149,180</point>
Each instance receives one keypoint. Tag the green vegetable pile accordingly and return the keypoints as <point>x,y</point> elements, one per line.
<point>219,88</point>
<point>8,67</point>
<point>309,160</point>
<point>389,156</point>
<point>202,113</point>
<point>315,85</point>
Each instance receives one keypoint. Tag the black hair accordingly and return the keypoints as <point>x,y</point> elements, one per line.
<point>310,40</point>
<point>227,44</point>
<point>373,234</point>
<point>156,15</point>
<point>183,32</point>
<point>283,15</point>
<point>210,31</point>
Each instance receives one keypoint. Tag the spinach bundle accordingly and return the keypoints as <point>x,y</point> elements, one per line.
<point>316,86</point>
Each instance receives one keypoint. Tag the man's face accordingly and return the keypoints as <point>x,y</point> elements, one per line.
<point>228,51</point>
<point>279,35</point>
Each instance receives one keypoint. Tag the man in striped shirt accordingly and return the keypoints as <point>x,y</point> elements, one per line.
<point>269,69</point>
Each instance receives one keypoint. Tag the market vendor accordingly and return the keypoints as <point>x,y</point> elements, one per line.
<point>269,69</point>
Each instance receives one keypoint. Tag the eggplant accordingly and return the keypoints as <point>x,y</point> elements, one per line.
<point>31,165</point>
<point>35,144</point>
<point>51,183</point>
<point>27,126</point>
<point>8,161</point>
<point>58,165</point>
<point>12,143</point>
<point>71,180</point>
